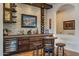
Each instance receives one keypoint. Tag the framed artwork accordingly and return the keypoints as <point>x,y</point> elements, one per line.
<point>69,25</point>
<point>28,21</point>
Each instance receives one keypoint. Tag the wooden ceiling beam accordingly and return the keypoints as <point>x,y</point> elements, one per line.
<point>40,5</point>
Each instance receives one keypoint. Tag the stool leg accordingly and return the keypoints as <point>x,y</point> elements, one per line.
<point>57,50</point>
<point>41,52</point>
<point>52,53</point>
<point>60,51</point>
<point>48,53</point>
<point>36,51</point>
<point>33,53</point>
<point>63,51</point>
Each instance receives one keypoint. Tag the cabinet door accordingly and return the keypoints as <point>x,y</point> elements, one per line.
<point>23,44</point>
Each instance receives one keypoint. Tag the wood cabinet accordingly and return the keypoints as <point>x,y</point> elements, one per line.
<point>23,44</point>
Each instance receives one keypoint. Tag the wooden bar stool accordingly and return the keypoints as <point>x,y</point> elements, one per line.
<point>36,49</point>
<point>60,46</point>
<point>48,41</point>
<point>48,49</point>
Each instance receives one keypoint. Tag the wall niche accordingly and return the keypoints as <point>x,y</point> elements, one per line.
<point>65,20</point>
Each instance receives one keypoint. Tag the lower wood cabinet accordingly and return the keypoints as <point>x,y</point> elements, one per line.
<point>21,44</point>
<point>10,46</point>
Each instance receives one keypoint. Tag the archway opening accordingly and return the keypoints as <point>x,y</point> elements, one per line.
<point>65,19</point>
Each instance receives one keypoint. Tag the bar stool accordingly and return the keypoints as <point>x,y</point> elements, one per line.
<point>60,46</point>
<point>36,49</point>
<point>48,49</point>
<point>48,41</point>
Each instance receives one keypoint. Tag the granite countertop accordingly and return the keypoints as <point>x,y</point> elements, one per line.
<point>32,35</point>
<point>50,37</point>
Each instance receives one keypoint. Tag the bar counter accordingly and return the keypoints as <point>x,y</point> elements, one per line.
<point>19,43</point>
<point>32,35</point>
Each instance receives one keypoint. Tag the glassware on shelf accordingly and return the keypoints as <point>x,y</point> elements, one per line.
<point>13,45</point>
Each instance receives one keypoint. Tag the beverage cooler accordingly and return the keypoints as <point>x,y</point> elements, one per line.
<point>10,46</point>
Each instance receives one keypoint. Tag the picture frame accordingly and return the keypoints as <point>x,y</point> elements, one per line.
<point>28,21</point>
<point>69,25</point>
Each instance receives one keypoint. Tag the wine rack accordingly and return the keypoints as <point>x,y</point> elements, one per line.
<point>9,12</point>
<point>10,46</point>
<point>42,21</point>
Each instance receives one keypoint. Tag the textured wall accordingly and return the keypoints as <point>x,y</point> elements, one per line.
<point>24,9</point>
<point>65,15</point>
<point>1,29</point>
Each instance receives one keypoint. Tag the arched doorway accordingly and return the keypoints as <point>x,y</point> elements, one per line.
<point>64,13</point>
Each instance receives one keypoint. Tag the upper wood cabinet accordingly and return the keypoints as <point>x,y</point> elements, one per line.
<point>8,12</point>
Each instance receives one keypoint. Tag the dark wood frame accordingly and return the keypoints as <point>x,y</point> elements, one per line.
<point>42,21</point>
<point>28,26</point>
<point>69,25</point>
<point>40,5</point>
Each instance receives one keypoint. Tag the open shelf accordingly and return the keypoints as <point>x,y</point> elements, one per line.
<point>8,11</point>
<point>9,21</point>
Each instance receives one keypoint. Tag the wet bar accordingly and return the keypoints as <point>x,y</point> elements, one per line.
<point>21,43</point>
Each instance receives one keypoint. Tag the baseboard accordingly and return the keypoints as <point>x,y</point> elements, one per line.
<point>72,50</point>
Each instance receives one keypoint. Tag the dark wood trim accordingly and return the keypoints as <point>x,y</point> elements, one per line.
<point>40,5</point>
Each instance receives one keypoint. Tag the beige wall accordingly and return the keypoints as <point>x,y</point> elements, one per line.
<point>66,15</point>
<point>71,41</point>
<point>1,29</point>
<point>24,9</point>
<point>59,23</point>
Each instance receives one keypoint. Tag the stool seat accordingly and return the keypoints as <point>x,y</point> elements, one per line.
<point>60,44</point>
<point>36,48</point>
<point>37,44</point>
<point>48,49</point>
<point>48,44</point>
